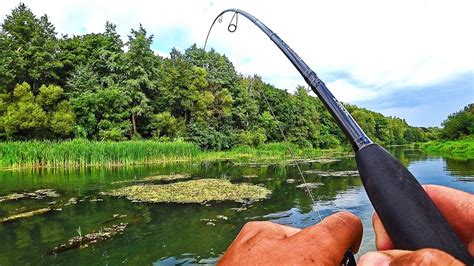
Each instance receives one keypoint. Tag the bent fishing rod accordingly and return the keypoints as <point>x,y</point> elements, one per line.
<point>408,214</point>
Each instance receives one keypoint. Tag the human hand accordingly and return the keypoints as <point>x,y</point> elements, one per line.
<point>458,209</point>
<point>267,243</point>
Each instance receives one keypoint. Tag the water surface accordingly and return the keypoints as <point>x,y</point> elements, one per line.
<point>181,233</point>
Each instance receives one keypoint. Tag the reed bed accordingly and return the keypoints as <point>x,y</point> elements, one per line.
<point>84,153</point>
<point>80,153</point>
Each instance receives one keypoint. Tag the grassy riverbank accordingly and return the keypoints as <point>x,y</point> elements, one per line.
<point>454,148</point>
<point>84,153</point>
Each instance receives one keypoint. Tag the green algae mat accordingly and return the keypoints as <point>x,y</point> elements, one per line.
<point>193,191</point>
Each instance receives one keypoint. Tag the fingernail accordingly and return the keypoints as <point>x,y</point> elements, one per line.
<point>374,258</point>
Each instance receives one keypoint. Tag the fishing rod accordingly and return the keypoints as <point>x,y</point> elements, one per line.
<point>408,214</point>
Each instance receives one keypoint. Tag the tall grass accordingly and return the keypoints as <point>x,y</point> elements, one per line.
<point>82,153</point>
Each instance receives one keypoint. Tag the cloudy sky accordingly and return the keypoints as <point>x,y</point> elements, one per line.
<point>411,59</point>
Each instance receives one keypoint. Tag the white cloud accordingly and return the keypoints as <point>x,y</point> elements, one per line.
<point>382,46</point>
<point>346,92</point>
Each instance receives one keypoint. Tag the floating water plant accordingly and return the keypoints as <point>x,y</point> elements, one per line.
<point>167,177</point>
<point>38,194</point>
<point>27,214</point>
<point>310,185</point>
<point>349,173</point>
<point>155,178</point>
<point>193,191</point>
<point>249,176</point>
<point>88,239</point>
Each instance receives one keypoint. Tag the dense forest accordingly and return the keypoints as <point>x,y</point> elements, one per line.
<point>96,86</point>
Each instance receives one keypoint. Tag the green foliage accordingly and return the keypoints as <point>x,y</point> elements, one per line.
<point>30,44</point>
<point>166,125</point>
<point>459,124</point>
<point>26,116</point>
<point>463,148</point>
<point>103,114</point>
<point>99,88</point>
<point>252,138</point>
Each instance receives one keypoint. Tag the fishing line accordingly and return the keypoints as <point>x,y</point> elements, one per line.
<point>232,27</point>
<point>292,155</point>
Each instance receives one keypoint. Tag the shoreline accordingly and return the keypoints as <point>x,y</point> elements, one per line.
<point>79,154</point>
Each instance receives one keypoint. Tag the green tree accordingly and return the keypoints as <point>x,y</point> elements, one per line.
<point>141,73</point>
<point>103,115</point>
<point>97,53</point>
<point>459,124</point>
<point>30,48</point>
<point>166,126</point>
<point>46,116</point>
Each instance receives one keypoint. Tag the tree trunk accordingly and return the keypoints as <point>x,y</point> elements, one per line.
<point>134,124</point>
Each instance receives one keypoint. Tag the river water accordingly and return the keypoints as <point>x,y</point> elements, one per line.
<point>167,234</point>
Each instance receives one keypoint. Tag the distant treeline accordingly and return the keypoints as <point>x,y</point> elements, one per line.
<point>97,87</point>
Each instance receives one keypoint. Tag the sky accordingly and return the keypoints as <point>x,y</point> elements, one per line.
<point>411,59</point>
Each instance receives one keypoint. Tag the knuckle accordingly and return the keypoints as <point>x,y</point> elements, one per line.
<point>347,217</point>
<point>429,255</point>
<point>255,226</point>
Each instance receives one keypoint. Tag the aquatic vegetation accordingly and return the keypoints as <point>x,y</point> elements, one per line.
<point>193,191</point>
<point>91,238</point>
<point>166,177</point>
<point>320,161</point>
<point>171,177</point>
<point>349,173</point>
<point>80,153</point>
<point>38,194</point>
<point>249,176</point>
<point>326,160</point>
<point>83,153</point>
<point>310,185</point>
<point>26,214</point>
<point>79,231</point>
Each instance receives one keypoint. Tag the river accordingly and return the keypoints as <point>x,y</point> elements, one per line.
<point>167,234</point>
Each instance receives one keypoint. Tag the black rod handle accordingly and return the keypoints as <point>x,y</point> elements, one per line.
<point>408,214</point>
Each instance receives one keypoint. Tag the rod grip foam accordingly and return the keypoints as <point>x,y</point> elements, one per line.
<point>408,214</point>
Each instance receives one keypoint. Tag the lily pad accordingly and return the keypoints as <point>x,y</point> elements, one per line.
<point>193,191</point>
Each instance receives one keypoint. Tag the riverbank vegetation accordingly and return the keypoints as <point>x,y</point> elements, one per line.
<point>457,135</point>
<point>98,87</point>
<point>85,153</point>
<point>463,148</point>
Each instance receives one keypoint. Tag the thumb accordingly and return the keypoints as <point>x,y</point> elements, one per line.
<point>425,256</point>
<point>336,234</point>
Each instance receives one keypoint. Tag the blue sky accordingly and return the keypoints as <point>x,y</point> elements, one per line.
<point>411,59</point>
